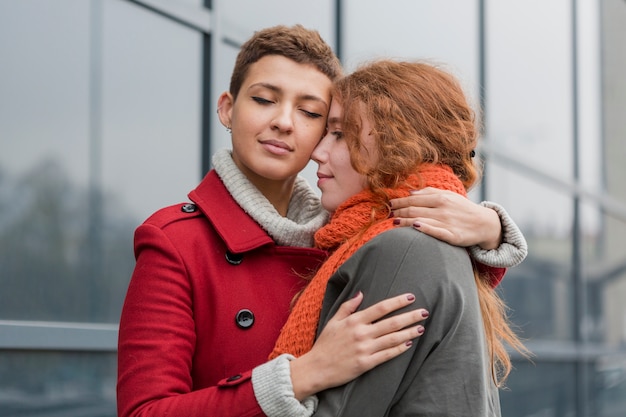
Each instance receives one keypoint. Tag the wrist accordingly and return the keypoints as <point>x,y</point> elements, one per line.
<point>493,230</point>
<point>303,378</point>
<point>273,390</point>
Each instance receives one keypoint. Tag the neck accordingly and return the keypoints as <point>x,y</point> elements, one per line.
<point>277,192</point>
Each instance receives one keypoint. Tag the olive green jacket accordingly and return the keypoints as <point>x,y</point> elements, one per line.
<point>447,370</point>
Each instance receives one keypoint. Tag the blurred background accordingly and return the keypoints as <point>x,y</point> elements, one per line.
<point>107,113</point>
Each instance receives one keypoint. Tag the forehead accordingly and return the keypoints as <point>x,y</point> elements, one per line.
<point>336,111</point>
<point>288,76</point>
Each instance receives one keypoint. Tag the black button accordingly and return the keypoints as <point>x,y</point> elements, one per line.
<point>233,378</point>
<point>244,318</point>
<point>234,258</point>
<point>188,208</point>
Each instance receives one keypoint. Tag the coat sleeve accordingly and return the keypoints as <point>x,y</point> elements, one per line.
<point>513,249</point>
<point>446,372</point>
<point>157,342</point>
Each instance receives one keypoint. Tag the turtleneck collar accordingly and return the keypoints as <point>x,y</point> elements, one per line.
<point>304,216</point>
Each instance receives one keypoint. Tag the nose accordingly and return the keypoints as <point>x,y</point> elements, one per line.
<point>321,151</point>
<point>283,119</point>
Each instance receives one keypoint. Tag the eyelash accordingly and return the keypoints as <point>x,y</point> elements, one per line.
<point>261,100</point>
<point>264,101</point>
<point>312,115</point>
<point>337,133</point>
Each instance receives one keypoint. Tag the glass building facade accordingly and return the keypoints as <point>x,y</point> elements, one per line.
<point>107,113</point>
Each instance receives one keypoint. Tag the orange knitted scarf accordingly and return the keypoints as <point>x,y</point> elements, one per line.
<point>356,221</point>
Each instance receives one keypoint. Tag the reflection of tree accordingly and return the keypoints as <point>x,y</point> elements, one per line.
<point>45,239</point>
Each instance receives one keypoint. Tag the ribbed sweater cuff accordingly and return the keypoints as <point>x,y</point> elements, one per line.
<point>274,391</point>
<point>513,249</point>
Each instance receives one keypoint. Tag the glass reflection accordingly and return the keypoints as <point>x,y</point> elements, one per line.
<point>57,384</point>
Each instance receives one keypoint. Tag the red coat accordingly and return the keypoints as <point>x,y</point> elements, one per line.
<point>195,323</point>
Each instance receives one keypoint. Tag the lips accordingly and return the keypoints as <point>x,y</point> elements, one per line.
<point>321,175</point>
<point>322,178</point>
<point>273,143</point>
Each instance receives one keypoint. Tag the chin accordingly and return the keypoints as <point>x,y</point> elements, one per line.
<point>273,174</point>
<point>330,207</point>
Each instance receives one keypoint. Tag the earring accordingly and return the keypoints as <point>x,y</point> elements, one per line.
<point>228,129</point>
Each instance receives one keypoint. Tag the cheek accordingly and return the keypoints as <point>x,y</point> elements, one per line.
<point>357,183</point>
<point>351,181</point>
<point>254,121</point>
<point>314,134</point>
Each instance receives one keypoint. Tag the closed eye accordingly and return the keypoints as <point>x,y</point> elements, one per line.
<point>311,114</point>
<point>261,100</point>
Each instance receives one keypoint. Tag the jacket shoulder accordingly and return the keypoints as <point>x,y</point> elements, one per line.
<point>401,239</point>
<point>403,248</point>
<point>172,214</point>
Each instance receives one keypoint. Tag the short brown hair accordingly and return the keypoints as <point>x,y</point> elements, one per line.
<point>304,46</point>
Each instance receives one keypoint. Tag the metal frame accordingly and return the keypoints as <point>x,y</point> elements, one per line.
<point>194,17</point>
<point>48,335</point>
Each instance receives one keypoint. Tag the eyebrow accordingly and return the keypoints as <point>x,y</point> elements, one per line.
<point>335,120</point>
<point>277,89</point>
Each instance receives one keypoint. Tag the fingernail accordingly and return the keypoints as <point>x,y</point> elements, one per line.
<point>409,343</point>
<point>420,329</point>
<point>425,314</point>
<point>390,215</point>
<point>417,225</point>
<point>410,297</point>
<point>396,222</point>
<point>357,294</point>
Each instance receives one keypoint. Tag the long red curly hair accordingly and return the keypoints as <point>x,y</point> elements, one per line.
<point>418,114</point>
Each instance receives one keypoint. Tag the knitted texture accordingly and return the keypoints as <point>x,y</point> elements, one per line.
<point>305,214</point>
<point>273,390</point>
<point>513,249</point>
<point>355,222</point>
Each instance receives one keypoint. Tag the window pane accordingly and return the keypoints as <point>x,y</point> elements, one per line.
<point>612,24</point>
<point>99,127</point>
<point>604,325</point>
<point>57,384</point>
<point>529,86</point>
<point>539,291</point>
<point>609,395</point>
<point>541,389</point>
<point>414,30</point>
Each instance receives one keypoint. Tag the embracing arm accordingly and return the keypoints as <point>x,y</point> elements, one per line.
<point>486,229</point>
<point>512,249</point>
<point>351,344</point>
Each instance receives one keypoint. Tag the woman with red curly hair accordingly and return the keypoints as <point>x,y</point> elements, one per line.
<point>395,127</point>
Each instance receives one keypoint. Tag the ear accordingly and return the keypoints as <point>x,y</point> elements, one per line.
<point>225,109</point>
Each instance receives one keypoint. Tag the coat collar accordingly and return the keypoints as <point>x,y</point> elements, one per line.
<point>238,230</point>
